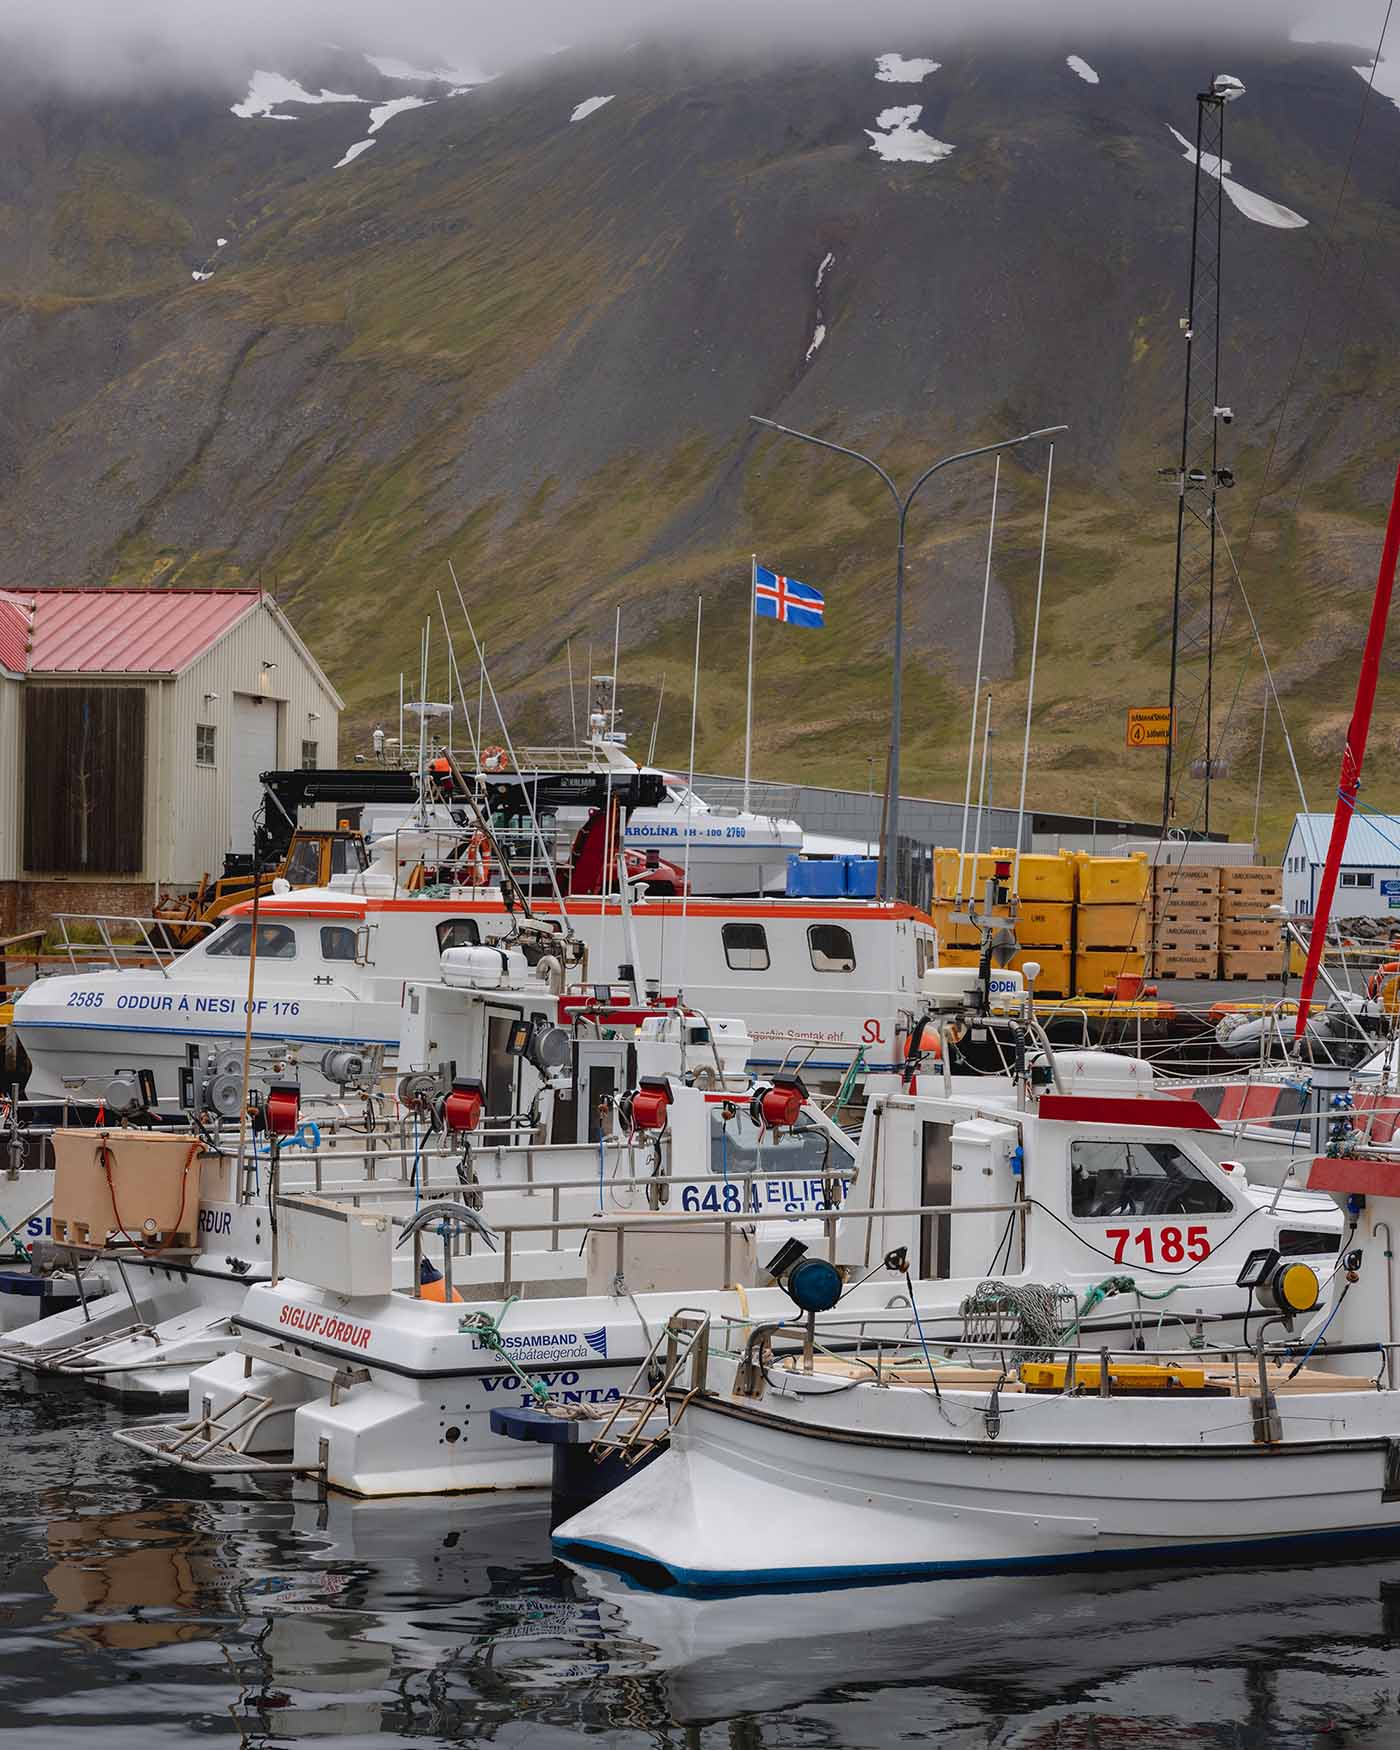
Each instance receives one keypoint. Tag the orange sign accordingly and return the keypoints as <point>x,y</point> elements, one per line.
<point>1150,726</point>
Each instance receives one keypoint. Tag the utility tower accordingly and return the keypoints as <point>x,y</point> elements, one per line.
<point>1199,475</point>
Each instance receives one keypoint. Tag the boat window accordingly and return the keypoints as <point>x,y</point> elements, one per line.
<point>338,942</point>
<point>348,856</point>
<point>1297,1242</point>
<point>746,947</point>
<point>831,948</point>
<point>739,1148</point>
<point>1117,1177</point>
<point>458,933</point>
<point>303,864</point>
<point>275,941</point>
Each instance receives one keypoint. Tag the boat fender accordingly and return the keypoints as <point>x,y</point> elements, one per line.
<point>432,1283</point>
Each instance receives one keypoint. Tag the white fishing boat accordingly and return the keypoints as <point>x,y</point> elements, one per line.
<point>820,982</point>
<point>1101,1188</point>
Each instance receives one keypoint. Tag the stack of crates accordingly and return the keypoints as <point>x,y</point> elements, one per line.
<point>1185,921</point>
<point>1250,945</point>
<point>1111,919</point>
<point>1045,917</point>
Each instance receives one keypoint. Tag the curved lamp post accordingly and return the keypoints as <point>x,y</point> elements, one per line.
<point>901,504</point>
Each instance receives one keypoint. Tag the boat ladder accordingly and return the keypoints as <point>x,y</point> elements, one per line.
<point>645,1413</point>
<point>73,1356</point>
<point>217,1445</point>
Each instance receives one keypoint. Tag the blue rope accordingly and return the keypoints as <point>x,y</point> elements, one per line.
<point>1375,814</point>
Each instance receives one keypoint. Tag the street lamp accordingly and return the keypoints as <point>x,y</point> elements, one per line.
<point>902,505</point>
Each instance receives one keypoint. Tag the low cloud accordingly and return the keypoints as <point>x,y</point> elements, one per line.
<point>101,45</point>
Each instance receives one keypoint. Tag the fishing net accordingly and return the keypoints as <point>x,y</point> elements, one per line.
<point>1027,1318</point>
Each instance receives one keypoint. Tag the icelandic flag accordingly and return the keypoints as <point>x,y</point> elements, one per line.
<point>782,598</point>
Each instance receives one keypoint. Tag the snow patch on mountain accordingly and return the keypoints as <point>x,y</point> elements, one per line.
<point>219,242</point>
<point>384,112</point>
<point>899,141</point>
<point>266,90</point>
<point>818,336</point>
<point>828,261</point>
<point>895,70</point>
<point>353,153</point>
<point>588,106</point>
<point>1254,206</point>
<point>1077,64</point>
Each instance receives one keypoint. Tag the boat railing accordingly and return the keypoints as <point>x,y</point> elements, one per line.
<point>564,1229</point>
<point>114,945</point>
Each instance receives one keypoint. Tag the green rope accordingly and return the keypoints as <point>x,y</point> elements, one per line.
<point>488,1329</point>
<point>1102,1291</point>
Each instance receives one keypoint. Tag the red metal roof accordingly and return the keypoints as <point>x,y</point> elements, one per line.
<point>127,631</point>
<point>16,622</point>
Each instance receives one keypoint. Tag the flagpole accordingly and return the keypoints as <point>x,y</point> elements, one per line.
<point>748,694</point>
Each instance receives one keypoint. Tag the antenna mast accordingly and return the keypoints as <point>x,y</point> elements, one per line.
<point>1199,475</point>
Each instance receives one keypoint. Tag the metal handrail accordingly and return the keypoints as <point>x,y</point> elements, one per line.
<point>103,921</point>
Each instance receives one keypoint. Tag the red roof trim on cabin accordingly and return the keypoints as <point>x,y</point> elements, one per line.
<point>1161,1114</point>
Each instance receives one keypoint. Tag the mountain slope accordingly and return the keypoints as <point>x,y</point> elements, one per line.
<point>531,344</point>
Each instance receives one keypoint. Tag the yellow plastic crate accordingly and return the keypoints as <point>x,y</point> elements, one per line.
<point>1138,1376</point>
<point>1041,924</point>
<point>1112,926</point>
<point>1038,875</point>
<point>1112,880</point>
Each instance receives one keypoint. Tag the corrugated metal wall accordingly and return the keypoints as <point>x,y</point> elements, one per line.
<point>11,693</point>
<point>191,801</point>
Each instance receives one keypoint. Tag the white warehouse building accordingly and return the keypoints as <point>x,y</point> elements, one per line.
<point>1368,884</point>
<point>133,728</point>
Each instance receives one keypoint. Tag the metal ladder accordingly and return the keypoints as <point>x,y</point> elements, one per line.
<point>643,1416</point>
<point>216,1445</point>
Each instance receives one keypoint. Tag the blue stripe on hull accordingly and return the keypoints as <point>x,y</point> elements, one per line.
<point>658,1576</point>
<point>21,1027</point>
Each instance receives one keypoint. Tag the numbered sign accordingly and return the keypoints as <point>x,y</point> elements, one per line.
<point>1150,726</point>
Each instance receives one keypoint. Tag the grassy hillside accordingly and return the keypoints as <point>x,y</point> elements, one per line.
<point>530,346</point>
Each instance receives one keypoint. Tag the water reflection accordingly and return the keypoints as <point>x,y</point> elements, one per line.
<point>148,1608</point>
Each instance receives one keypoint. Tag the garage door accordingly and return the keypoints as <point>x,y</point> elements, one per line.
<point>254,751</point>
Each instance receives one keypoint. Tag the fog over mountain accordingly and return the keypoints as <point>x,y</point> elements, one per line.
<point>110,45</point>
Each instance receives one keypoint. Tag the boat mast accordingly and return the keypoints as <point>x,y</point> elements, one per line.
<point>1199,475</point>
<point>1353,753</point>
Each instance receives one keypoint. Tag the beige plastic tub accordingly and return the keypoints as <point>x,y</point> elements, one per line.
<point>127,1187</point>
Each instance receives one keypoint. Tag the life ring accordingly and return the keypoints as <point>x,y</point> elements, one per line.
<point>477,862</point>
<point>1377,980</point>
<point>494,759</point>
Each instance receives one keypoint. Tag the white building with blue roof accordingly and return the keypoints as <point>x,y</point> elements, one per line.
<point>1369,882</point>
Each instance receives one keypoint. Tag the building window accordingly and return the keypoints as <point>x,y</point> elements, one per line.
<point>1358,878</point>
<point>831,948</point>
<point>308,756</point>
<point>746,947</point>
<point>204,744</point>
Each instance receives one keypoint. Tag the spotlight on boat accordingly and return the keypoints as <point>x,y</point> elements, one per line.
<point>1281,1285</point>
<point>813,1284</point>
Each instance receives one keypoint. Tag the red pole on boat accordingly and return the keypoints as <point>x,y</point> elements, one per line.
<point>1353,754</point>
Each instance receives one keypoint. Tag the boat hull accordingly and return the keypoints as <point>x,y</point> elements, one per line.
<point>823,1504</point>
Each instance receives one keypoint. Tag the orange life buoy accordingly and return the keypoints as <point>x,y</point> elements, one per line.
<point>494,759</point>
<point>1377,978</point>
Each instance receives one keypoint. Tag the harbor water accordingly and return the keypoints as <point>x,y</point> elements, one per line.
<point>142,1608</point>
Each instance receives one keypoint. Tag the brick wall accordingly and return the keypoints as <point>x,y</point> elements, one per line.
<point>30,905</point>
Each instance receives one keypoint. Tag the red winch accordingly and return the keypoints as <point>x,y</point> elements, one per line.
<point>462,1109</point>
<point>282,1108</point>
<point>649,1105</point>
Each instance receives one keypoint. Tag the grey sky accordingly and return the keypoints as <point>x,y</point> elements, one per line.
<point>115,44</point>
